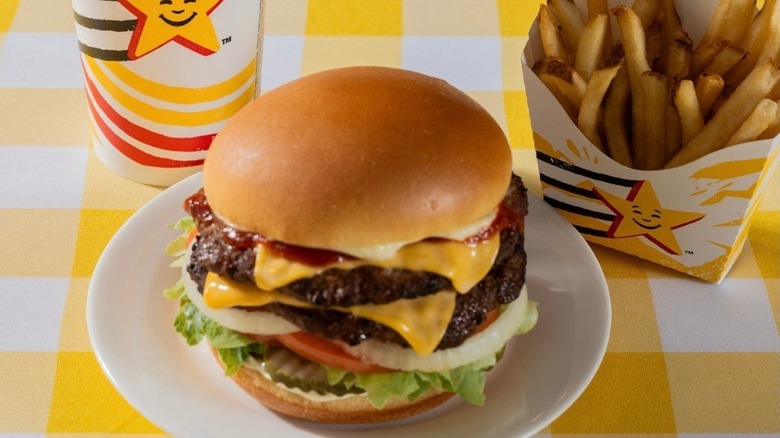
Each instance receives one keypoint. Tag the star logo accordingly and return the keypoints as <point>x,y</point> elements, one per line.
<point>641,214</point>
<point>159,21</point>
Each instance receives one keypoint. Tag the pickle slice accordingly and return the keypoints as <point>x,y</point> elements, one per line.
<point>294,371</point>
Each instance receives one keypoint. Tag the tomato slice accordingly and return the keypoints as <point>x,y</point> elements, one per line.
<point>490,318</point>
<point>321,350</point>
<point>191,236</point>
<point>264,339</point>
<point>318,349</point>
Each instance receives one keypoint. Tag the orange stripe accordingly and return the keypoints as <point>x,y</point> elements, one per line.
<point>165,116</point>
<point>179,144</point>
<point>182,95</point>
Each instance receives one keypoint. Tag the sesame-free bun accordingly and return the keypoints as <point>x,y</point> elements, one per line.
<point>357,157</point>
<point>348,410</point>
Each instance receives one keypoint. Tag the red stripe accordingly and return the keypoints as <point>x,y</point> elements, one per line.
<point>177,144</point>
<point>133,152</point>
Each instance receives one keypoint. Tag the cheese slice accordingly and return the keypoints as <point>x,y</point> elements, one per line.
<point>220,293</point>
<point>464,264</point>
<point>420,321</point>
<point>380,252</point>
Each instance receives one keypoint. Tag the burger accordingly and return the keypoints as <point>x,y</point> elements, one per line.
<point>356,252</point>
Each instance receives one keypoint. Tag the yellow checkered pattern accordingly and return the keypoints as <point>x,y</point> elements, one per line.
<point>660,377</point>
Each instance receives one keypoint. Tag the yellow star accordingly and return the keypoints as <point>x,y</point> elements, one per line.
<point>640,214</point>
<point>159,21</point>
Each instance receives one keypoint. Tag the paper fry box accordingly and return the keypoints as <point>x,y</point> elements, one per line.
<point>694,218</point>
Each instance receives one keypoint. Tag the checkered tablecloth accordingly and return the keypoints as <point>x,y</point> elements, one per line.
<point>684,357</point>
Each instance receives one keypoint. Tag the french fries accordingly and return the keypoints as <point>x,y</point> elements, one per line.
<point>731,114</point>
<point>774,128</point>
<point>590,51</point>
<point>634,46</point>
<point>654,40</point>
<point>565,83</point>
<point>646,10</point>
<point>687,104</point>
<point>762,41</point>
<point>727,58</point>
<point>552,38</point>
<point>704,54</point>
<point>718,22</point>
<point>708,88</point>
<point>672,30</point>
<point>655,99</point>
<point>758,121</point>
<point>591,104</point>
<point>677,62</point>
<point>674,136</point>
<point>600,7</point>
<point>737,21</point>
<point>616,106</point>
<point>572,24</point>
<point>649,97</point>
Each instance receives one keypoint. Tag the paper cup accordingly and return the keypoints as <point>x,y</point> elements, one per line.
<point>694,218</point>
<point>162,77</point>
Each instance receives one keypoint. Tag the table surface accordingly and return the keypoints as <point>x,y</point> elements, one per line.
<point>684,357</point>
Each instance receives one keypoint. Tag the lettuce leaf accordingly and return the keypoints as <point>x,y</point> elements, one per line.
<point>467,381</point>
<point>175,292</point>
<point>233,347</point>
<point>178,246</point>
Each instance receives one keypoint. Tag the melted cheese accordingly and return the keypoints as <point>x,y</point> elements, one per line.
<point>465,265</point>
<point>420,321</point>
<point>220,293</point>
<point>381,252</point>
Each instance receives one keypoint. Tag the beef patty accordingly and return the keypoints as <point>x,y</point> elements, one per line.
<point>215,251</point>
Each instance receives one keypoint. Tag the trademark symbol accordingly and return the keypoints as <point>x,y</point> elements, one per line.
<point>226,40</point>
<point>689,252</point>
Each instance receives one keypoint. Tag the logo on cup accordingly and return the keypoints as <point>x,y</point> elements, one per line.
<point>161,79</point>
<point>185,21</point>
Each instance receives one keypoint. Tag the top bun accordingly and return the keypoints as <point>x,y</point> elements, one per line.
<point>357,157</point>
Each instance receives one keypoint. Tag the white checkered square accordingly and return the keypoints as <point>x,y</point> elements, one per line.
<point>31,313</point>
<point>282,57</point>
<point>40,60</point>
<point>468,63</point>
<point>42,176</point>
<point>694,316</point>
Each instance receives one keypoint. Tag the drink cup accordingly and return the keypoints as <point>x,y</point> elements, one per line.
<point>163,76</point>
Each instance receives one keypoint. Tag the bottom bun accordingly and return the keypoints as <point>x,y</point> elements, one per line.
<point>348,410</point>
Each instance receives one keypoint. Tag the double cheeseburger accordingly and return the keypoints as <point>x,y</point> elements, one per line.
<point>356,252</point>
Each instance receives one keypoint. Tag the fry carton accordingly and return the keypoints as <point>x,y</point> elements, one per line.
<point>693,218</point>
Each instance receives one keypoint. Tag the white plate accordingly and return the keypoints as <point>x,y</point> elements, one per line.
<point>183,391</point>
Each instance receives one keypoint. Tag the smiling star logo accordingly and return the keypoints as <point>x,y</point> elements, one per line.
<point>159,21</point>
<point>641,214</point>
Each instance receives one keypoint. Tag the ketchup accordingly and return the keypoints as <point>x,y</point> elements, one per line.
<point>198,207</point>
<point>504,218</point>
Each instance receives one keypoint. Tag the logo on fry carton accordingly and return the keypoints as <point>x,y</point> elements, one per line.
<point>693,217</point>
